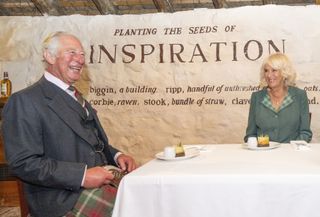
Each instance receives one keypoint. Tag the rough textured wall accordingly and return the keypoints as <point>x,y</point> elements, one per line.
<point>159,79</point>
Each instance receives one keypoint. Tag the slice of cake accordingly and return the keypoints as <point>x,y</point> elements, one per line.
<point>179,150</point>
<point>263,141</point>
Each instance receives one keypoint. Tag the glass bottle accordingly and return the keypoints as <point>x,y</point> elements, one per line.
<point>6,86</point>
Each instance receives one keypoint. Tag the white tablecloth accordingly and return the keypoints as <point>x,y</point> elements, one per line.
<point>225,181</point>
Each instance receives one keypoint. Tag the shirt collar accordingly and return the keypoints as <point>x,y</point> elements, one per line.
<point>53,79</point>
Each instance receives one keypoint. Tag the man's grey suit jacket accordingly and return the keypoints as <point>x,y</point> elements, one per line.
<point>48,147</point>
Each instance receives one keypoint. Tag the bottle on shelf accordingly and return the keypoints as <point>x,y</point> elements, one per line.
<point>6,86</point>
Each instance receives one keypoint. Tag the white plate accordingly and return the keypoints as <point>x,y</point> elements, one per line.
<point>272,145</point>
<point>190,153</point>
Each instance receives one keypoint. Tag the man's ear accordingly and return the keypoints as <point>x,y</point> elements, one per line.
<point>50,58</point>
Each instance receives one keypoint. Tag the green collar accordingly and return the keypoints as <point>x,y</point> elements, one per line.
<point>266,101</point>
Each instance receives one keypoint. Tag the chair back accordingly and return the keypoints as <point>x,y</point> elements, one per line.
<point>22,199</point>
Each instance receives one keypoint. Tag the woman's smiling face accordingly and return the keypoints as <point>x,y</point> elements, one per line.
<point>273,77</point>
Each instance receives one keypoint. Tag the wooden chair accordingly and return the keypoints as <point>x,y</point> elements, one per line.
<point>22,199</point>
<point>6,175</point>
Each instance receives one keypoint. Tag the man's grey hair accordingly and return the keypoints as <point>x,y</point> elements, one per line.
<point>51,42</point>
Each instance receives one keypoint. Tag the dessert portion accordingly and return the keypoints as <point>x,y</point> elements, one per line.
<point>263,141</point>
<point>179,150</point>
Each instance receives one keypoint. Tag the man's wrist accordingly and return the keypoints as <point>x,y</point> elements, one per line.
<point>116,157</point>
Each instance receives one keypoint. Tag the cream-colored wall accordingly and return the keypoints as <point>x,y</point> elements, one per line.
<point>180,52</point>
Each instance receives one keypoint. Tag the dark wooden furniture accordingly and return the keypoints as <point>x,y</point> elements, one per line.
<point>13,193</point>
<point>22,200</point>
<point>11,188</point>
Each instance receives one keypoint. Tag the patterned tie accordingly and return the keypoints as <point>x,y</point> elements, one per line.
<point>78,95</point>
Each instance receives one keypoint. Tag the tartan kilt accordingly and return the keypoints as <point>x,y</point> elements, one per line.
<point>96,202</point>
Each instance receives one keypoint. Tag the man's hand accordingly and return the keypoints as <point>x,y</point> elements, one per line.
<point>126,163</point>
<point>96,177</point>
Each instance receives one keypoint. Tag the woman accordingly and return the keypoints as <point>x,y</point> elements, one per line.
<point>280,110</point>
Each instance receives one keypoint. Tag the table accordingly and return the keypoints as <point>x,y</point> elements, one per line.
<point>225,180</point>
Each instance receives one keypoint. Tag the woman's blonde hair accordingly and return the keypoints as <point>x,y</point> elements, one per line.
<point>280,62</point>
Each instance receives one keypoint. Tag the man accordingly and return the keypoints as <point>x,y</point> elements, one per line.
<point>55,144</point>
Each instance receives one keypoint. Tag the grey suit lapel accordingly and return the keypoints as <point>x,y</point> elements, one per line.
<point>63,105</point>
